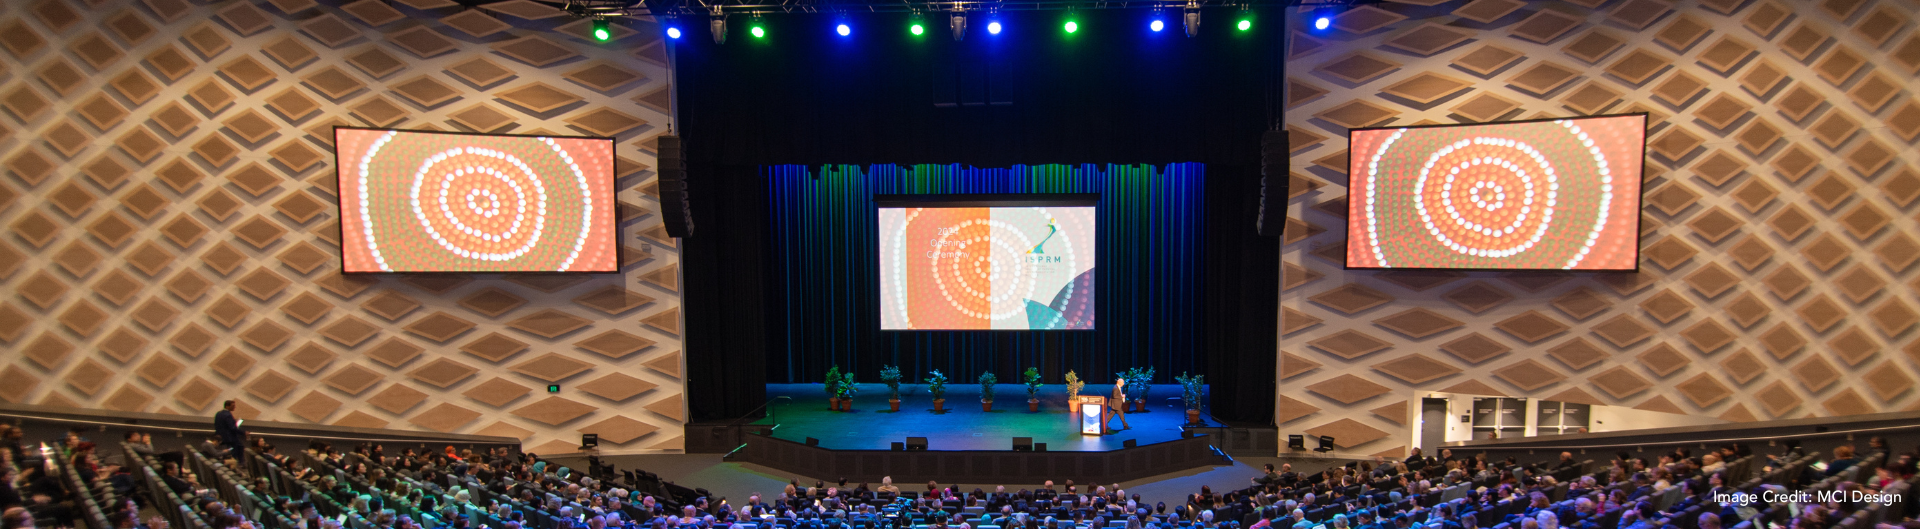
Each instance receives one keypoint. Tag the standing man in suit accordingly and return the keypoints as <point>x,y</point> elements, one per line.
<point>228,429</point>
<point>1119,402</point>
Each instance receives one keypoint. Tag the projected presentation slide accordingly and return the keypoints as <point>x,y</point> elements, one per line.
<point>1533,195</point>
<point>986,268</point>
<point>444,202</point>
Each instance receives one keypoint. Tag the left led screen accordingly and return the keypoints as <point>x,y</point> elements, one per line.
<point>417,201</point>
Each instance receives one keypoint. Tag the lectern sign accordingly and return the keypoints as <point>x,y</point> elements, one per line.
<point>1093,415</point>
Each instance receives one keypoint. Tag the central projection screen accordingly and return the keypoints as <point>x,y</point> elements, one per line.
<point>1559,194</point>
<point>998,262</point>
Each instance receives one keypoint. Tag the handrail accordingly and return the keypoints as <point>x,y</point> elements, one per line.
<point>770,412</point>
<point>1823,427</point>
<point>174,423</point>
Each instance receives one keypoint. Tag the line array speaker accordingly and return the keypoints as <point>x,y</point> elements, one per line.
<point>1273,183</point>
<point>675,209</point>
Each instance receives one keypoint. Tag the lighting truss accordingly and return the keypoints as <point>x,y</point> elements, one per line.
<point>618,8</point>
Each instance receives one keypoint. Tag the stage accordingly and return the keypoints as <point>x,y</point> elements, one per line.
<point>963,426</point>
<point>964,444</point>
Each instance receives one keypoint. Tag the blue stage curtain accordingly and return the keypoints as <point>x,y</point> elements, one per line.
<point>1149,282</point>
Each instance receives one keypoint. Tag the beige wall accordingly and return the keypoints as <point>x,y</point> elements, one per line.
<point>171,224</point>
<point>1779,236</point>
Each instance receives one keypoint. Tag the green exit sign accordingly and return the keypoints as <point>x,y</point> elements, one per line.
<point>553,388</point>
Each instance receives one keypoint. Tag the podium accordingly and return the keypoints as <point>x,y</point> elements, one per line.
<point>1093,415</point>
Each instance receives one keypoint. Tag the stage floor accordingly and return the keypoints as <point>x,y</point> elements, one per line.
<point>871,426</point>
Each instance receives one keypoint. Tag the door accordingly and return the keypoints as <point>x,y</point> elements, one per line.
<point>1433,424</point>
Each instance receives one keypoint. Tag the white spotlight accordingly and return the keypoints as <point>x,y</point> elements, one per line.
<point>718,24</point>
<point>959,23</point>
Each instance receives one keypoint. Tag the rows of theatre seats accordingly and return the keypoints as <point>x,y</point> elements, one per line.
<point>453,501</point>
<point>1673,507</point>
<point>86,502</point>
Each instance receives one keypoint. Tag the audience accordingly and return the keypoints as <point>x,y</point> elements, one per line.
<point>321,487</point>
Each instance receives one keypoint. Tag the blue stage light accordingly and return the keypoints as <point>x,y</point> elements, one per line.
<point>673,32</point>
<point>1157,25</point>
<point>1322,23</point>
<point>843,30</point>
<point>993,27</point>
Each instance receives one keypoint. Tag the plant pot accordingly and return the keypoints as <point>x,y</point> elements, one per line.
<point>939,405</point>
<point>894,403</point>
<point>1033,405</point>
<point>1136,406</point>
<point>846,404</point>
<point>1193,416</point>
<point>833,403</point>
<point>986,405</point>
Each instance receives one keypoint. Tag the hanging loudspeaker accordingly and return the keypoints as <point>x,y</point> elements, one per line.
<point>1273,184</point>
<point>674,206</point>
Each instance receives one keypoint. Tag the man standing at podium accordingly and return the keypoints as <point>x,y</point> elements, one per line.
<point>1119,402</point>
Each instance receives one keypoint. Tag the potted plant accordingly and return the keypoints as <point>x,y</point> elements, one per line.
<point>937,387</point>
<point>1032,379</point>
<point>847,390</point>
<point>1190,394</point>
<point>987,380</point>
<point>1073,390</point>
<point>1138,386</point>
<point>890,375</point>
<point>832,385</point>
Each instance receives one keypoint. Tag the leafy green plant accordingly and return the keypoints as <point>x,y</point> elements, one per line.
<point>987,380</point>
<point>890,375</point>
<point>847,389</point>
<point>937,384</point>
<point>1073,385</point>
<point>1190,389</point>
<point>1032,379</point>
<point>832,384</point>
<point>1140,382</point>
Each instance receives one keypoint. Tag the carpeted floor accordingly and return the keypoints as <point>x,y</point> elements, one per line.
<point>737,480</point>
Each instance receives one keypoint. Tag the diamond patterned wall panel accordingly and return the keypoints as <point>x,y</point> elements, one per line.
<point>1783,207</point>
<point>172,217</point>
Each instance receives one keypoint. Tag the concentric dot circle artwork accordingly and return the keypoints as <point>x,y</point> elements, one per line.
<point>415,201</point>
<point>1009,268</point>
<point>1536,195</point>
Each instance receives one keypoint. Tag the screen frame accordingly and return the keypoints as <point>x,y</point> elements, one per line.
<point>986,200</point>
<point>619,250</point>
<point>1638,219</point>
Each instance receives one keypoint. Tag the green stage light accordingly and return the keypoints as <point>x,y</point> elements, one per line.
<point>1245,24</point>
<point>1072,26</point>
<point>602,31</point>
<point>916,28</point>
<point>758,32</point>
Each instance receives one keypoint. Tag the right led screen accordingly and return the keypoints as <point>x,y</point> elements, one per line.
<point>1532,195</point>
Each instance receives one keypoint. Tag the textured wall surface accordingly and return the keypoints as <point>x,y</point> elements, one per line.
<point>1779,233</point>
<point>171,231</point>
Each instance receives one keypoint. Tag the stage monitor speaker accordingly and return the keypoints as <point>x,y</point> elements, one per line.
<point>1130,443</point>
<point>899,446</point>
<point>917,443</point>
<point>1023,444</point>
<point>675,209</point>
<point>1039,447</point>
<point>813,442</point>
<point>1274,179</point>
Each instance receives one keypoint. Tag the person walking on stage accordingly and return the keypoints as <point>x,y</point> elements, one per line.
<point>1119,402</point>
